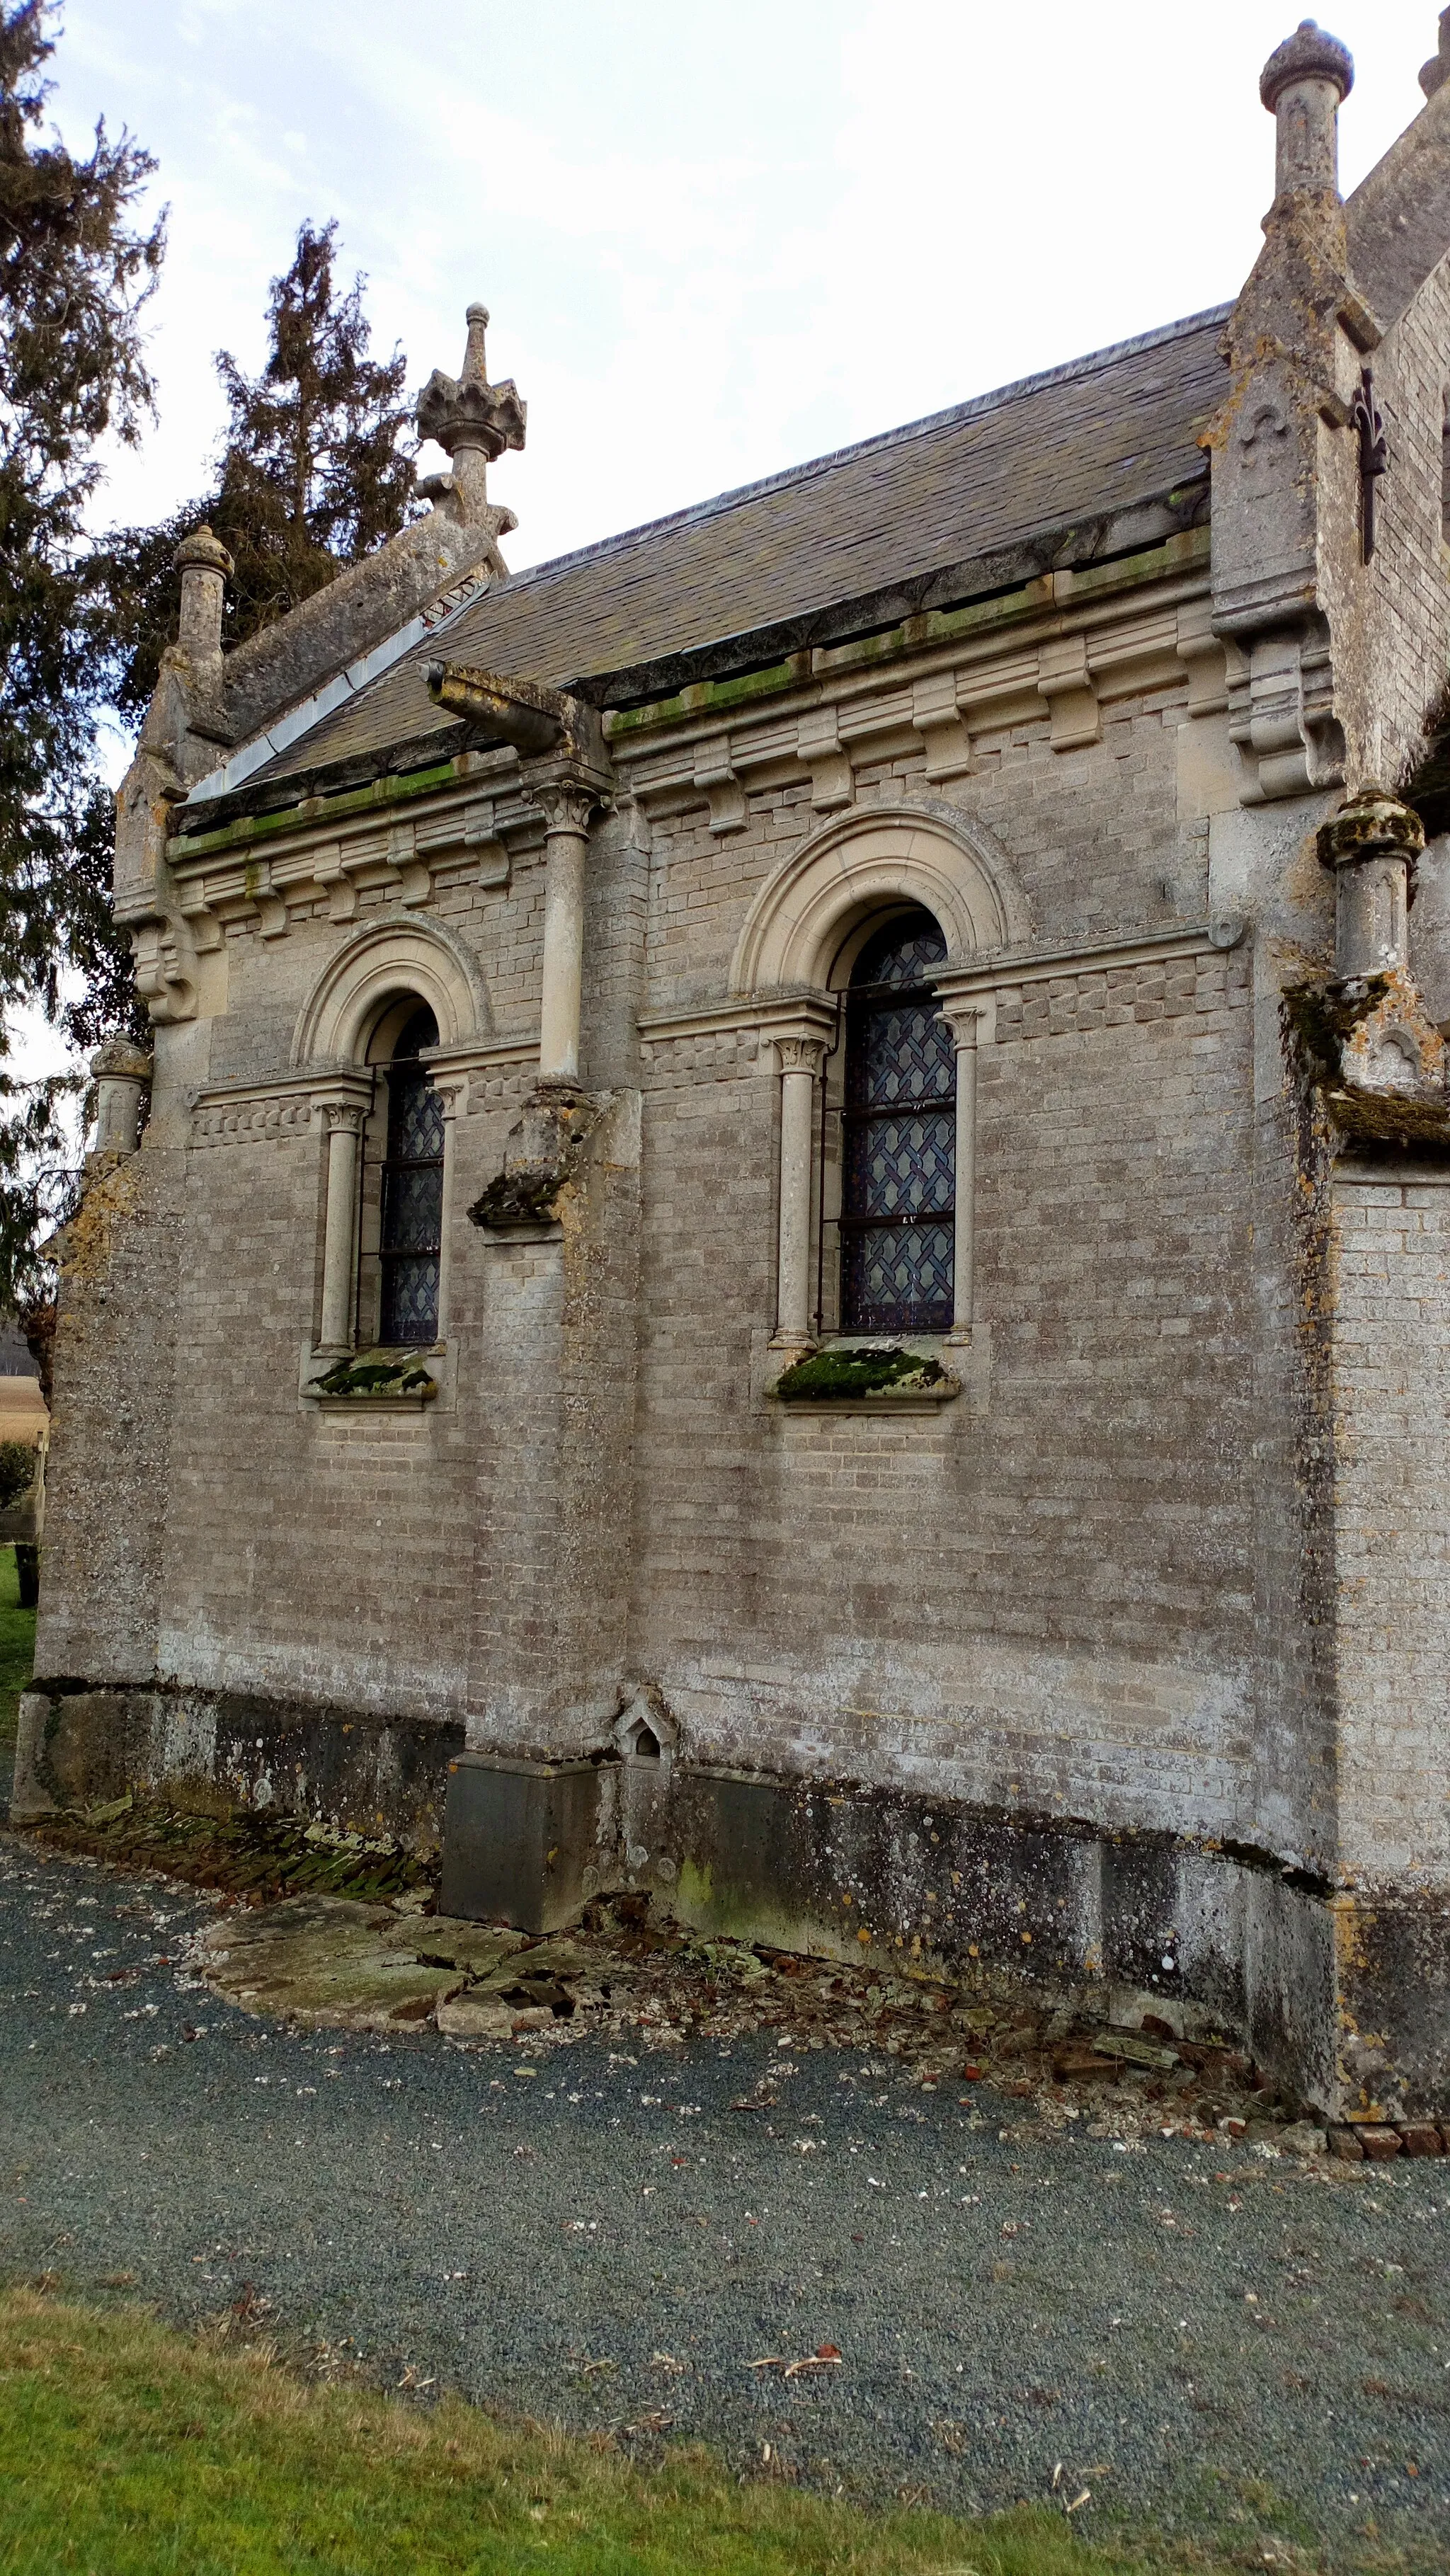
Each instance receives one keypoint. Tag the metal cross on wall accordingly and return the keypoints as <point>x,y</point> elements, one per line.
<point>1374,456</point>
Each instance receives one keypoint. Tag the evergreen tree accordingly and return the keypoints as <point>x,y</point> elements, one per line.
<point>75,273</point>
<point>315,470</point>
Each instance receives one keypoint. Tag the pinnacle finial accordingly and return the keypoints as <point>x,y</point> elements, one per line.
<point>475,370</point>
<point>1437,70</point>
<point>1308,55</point>
<point>474,420</point>
<point>1303,85</point>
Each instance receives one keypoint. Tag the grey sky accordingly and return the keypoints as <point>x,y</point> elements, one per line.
<point>714,240</point>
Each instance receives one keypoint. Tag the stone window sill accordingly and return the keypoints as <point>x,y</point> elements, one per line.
<point>316,1364</point>
<point>925,1399</point>
<point>371,1403</point>
<point>884,1399</point>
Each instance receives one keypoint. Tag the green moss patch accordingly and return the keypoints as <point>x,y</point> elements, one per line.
<point>376,1377</point>
<point>846,1373</point>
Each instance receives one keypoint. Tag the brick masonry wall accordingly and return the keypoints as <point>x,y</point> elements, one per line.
<point>1045,1602</point>
<point>1042,1596</point>
<point>1391,1250</point>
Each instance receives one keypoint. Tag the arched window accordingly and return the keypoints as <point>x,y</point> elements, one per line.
<point>412,1208</point>
<point>898,1197</point>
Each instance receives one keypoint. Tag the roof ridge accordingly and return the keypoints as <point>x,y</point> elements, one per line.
<point>1093,363</point>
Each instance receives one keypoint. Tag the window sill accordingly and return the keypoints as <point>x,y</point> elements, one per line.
<point>372,1399</point>
<point>371,1403</point>
<point>921,1399</point>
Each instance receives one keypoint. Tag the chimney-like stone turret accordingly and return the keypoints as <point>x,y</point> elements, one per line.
<point>1435,73</point>
<point>475,421</point>
<point>1302,85</point>
<point>205,568</point>
<point>1372,844</point>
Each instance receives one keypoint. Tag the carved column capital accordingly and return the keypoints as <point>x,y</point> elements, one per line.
<point>964,1019</point>
<point>346,1115</point>
<point>1371,824</point>
<point>567,803</point>
<point>800,1054</point>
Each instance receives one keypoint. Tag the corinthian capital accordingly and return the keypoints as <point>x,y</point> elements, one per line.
<point>800,1055</point>
<point>566,803</point>
<point>345,1114</point>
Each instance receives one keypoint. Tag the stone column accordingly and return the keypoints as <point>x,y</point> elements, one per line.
<point>1372,844</point>
<point>800,1060</point>
<point>567,804</point>
<point>452,1090</point>
<point>122,1074</point>
<point>343,1120</point>
<point>964,1019</point>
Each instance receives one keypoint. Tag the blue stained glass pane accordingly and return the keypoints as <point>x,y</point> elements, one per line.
<point>410,1299</point>
<point>412,1206</point>
<point>900,1138</point>
<point>902,954</point>
<point>902,1166</point>
<point>899,1279</point>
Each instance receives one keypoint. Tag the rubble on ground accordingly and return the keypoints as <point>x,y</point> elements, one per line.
<point>641,1981</point>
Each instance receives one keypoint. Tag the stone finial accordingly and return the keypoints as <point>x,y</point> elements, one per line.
<point>205,568</point>
<point>474,420</point>
<point>1436,71</point>
<point>1372,844</point>
<point>474,370</point>
<point>1302,85</point>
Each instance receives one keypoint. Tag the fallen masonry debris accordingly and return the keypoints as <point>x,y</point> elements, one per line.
<point>331,1930</point>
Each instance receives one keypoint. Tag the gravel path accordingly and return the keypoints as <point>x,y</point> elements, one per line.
<point>611,2239</point>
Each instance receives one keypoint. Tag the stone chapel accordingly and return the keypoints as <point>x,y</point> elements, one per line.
<point>788,1237</point>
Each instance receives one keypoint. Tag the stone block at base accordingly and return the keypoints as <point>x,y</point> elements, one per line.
<point>517,1839</point>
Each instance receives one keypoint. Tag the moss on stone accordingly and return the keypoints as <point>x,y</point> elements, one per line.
<point>865,1372</point>
<point>377,1377</point>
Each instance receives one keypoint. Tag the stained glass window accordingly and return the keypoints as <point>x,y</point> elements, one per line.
<point>412,1191</point>
<point>900,1121</point>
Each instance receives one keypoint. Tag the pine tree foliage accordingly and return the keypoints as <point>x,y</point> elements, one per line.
<point>315,470</point>
<point>75,274</point>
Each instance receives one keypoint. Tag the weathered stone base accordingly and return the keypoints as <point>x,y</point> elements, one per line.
<point>218,1750</point>
<point>1341,1997</point>
<point>520,1841</point>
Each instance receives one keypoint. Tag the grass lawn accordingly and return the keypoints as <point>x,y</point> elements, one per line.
<point>131,2450</point>
<point>17,1646</point>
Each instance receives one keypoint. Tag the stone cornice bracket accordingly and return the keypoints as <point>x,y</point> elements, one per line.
<point>937,718</point>
<point>539,722</point>
<point>1064,680</point>
<point>715,773</point>
<point>819,749</point>
<point>1372,845</point>
<point>475,421</point>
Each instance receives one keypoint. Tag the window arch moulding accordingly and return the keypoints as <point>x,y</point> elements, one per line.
<point>856,867</point>
<point>915,854</point>
<point>391,958</point>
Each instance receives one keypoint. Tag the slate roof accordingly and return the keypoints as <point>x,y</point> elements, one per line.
<point>976,498</point>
